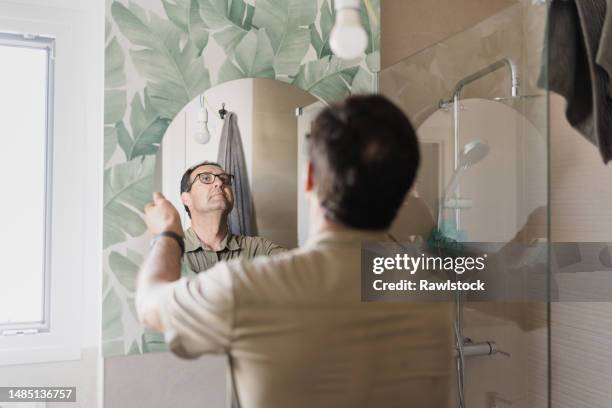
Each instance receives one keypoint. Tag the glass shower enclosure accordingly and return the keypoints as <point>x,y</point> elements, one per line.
<point>479,102</point>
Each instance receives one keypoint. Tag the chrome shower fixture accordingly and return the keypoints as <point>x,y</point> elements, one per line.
<point>471,154</point>
<point>504,62</point>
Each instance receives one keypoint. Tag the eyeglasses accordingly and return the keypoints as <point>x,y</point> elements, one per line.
<point>209,178</point>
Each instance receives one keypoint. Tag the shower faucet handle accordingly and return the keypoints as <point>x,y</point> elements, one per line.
<point>483,348</point>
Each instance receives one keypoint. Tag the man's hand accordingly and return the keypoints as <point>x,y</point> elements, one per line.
<point>160,215</point>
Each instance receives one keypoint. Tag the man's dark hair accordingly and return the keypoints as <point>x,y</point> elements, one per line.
<point>187,176</point>
<point>365,157</point>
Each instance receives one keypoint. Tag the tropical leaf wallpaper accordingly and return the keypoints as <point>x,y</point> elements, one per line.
<point>160,55</point>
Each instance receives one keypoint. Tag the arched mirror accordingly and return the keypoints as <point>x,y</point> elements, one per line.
<point>272,118</point>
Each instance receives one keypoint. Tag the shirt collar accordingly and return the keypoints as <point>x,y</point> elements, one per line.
<point>193,243</point>
<point>347,236</point>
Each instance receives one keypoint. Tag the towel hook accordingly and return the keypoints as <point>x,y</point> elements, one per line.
<point>222,111</point>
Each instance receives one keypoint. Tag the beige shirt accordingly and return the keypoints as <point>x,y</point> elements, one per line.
<point>199,259</point>
<point>297,334</point>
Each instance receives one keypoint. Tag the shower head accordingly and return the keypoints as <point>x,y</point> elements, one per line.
<point>472,153</point>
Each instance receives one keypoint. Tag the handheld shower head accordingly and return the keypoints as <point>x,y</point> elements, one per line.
<point>472,153</point>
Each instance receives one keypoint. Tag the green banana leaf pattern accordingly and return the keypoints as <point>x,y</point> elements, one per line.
<point>287,24</point>
<point>127,188</point>
<point>160,55</point>
<point>228,20</point>
<point>253,58</point>
<point>320,38</point>
<point>148,128</point>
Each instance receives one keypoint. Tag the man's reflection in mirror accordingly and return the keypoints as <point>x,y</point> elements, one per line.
<point>206,193</point>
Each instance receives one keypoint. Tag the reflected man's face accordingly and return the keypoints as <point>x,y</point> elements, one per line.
<point>216,196</point>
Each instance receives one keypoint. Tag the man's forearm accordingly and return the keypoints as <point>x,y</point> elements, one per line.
<point>163,263</point>
<point>162,266</point>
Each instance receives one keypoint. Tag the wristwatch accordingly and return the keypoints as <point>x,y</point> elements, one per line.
<point>173,235</point>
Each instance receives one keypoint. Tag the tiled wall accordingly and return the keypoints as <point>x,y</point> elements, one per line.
<point>409,26</point>
<point>581,211</point>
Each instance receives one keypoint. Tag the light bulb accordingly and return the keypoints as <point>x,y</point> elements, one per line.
<point>202,134</point>
<point>348,39</point>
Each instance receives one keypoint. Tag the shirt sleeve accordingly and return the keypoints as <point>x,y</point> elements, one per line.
<point>197,313</point>
<point>261,246</point>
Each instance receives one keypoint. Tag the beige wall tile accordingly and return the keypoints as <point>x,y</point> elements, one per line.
<point>581,211</point>
<point>275,152</point>
<point>408,26</point>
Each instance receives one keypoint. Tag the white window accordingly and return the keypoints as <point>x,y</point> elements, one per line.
<point>26,113</point>
<point>43,179</point>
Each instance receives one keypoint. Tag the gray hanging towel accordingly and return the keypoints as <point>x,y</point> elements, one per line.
<point>575,34</point>
<point>231,156</point>
<point>604,55</point>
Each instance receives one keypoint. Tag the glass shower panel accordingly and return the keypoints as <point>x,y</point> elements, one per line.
<point>481,116</point>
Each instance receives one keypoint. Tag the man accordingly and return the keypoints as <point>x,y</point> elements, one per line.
<point>293,325</point>
<point>206,193</point>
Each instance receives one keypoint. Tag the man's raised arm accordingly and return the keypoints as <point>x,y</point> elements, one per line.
<point>163,265</point>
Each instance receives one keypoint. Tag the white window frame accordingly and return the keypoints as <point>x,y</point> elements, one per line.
<point>61,339</point>
<point>48,45</point>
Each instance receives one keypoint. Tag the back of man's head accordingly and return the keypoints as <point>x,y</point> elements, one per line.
<point>365,157</point>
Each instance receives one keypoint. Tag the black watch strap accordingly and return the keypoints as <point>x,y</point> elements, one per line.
<point>173,235</point>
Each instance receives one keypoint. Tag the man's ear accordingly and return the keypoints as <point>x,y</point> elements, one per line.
<point>186,199</point>
<point>309,182</point>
